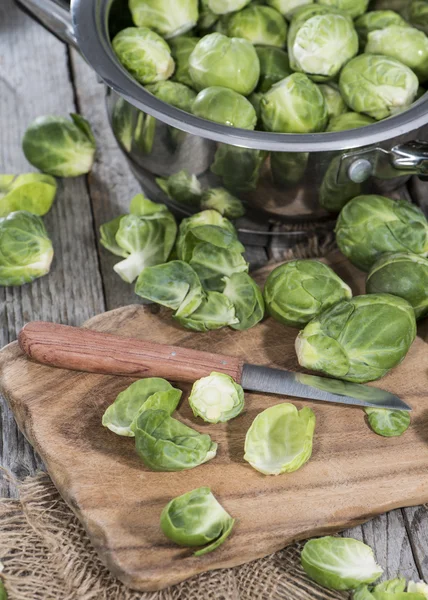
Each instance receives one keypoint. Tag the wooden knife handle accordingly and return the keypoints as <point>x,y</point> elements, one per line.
<point>82,349</point>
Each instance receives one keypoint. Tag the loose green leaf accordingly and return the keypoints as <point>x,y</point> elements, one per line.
<point>391,586</point>
<point>212,264</point>
<point>181,187</point>
<point>214,312</point>
<point>419,587</point>
<point>33,192</point>
<point>216,398</point>
<point>388,423</point>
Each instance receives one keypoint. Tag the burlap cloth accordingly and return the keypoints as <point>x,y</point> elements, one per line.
<point>48,556</point>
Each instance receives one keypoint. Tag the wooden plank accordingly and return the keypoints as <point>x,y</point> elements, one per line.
<point>35,81</point>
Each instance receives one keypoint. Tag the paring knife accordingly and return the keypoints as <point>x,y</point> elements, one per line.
<point>86,350</point>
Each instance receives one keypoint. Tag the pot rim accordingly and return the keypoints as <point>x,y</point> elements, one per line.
<point>90,25</point>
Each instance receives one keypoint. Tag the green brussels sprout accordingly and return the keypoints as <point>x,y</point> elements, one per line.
<point>222,201</point>
<point>166,444</point>
<point>166,18</point>
<point>391,586</point>
<point>339,563</point>
<point>145,132</point>
<point>181,49</point>
<point>261,25</point>
<point>213,263</point>
<point>288,168</point>
<point>419,587</point>
<point>25,249</point>
<point>418,14</point>
<point>247,298</point>
<point>334,195</point>
<point>33,192</point>
<point>379,86</point>
<point>274,66</point>
<point>239,168</point>
<point>143,240</point>
<point>225,106</point>
<point>144,54</point>
<point>335,103</point>
<point>401,274</point>
<point>225,62</point>
<point>207,18</point>
<point>364,593</point>
<point>287,7</point>
<point>280,439</point>
<point>181,187</point>
<point>174,93</point>
<point>358,340</point>
<point>354,8</point>
<point>124,121</point>
<point>174,285</point>
<point>255,98</point>
<point>406,44</point>
<point>299,290</point>
<point>388,423</point>
<point>349,120</point>
<point>321,45</point>
<point>196,519</point>
<point>151,393</point>
<point>368,226</point>
<point>214,312</point>
<point>60,147</point>
<point>377,19</point>
<point>224,7</point>
<point>216,398</point>
<point>294,105</point>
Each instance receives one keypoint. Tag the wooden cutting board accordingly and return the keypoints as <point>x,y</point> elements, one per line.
<point>352,476</point>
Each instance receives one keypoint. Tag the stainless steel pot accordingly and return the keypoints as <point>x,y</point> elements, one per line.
<point>281,177</point>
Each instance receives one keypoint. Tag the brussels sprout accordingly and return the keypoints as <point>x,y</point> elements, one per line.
<point>392,585</point>
<point>239,168</point>
<point>288,168</point>
<point>223,7</point>
<point>261,25</point>
<point>143,207</point>
<point>377,19</point>
<point>339,563</point>
<point>358,340</point>
<point>404,275</point>
<point>33,192</point>
<point>335,103</point>
<point>225,62</point>
<point>388,423</point>
<point>334,195</point>
<point>196,519</point>
<point>217,398</point>
<point>255,98</point>
<point>321,45</point>
<point>364,593</point>
<point>368,226</point>
<point>144,54</point>
<point>124,120</point>
<point>60,147</point>
<point>349,120</point>
<point>246,297</point>
<point>145,132</point>
<point>299,290</point>
<point>215,311</point>
<point>225,106</point>
<point>181,187</point>
<point>213,263</point>
<point>166,444</point>
<point>274,66</point>
<point>353,8</point>
<point>419,587</point>
<point>167,18</point>
<point>287,7</point>
<point>379,86</point>
<point>294,105</point>
<point>25,249</point>
<point>280,439</point>
<point>174,93</point>
<point>174,285</point>
<point>406,44</point>
<point>152,393</point>
<point>223,202</point>
<point>418,14</point>
<point>207,18</point>
<point>181,49</point>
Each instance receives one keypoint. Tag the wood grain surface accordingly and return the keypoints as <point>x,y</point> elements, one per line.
<point>353,474</point>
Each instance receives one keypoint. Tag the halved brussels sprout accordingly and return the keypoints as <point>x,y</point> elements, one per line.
<point>225,106</point>
<point>354,8</point>
<point>339,563</point>
<point>418,14</point>
<point>388,423</point>
<point>335,103</point>
<point>379,86</point>
<point>60,147</point>
<point>406,44</point>
<point>144,54</point>
<point>26,251</point>
<point>223,202</point>
<point>349,120</point>
<point>368,226</point>
<point>166,444</point>
<point>260,25</point>
<point>377,19</point>
<point>223,7</point>
<point>33,192</point>
<point>280,439</point>
<point>216,398</point>
<point>288,168</point>
<point>294,105</point>
<point>287,7</point>
<point>167,18</point>
<point>214,312</point>
<point>151,393</point>
<point>299,290</point>
<point>181,187</point>
<point>124,121</point>
<point>321,45</point>
<point>225,62</point>
<point>181,49</point>
<point>247,298</point>
<point>196,519</point>
<point>358,340</point>
<point>239,168</point>
<point>174,93</point>
<point>274,66</point>
<point>213,263</point>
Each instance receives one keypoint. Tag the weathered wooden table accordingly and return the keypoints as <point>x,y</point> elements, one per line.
<point>40,75</point>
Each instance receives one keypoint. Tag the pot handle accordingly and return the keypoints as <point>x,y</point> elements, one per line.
<point>53,16</point>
